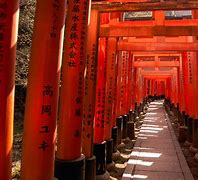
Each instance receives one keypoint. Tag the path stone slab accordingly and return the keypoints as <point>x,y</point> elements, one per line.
<point>157,175</point>
<point>156,154</point>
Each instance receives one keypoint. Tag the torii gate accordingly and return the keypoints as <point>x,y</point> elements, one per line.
<point>39,151</point>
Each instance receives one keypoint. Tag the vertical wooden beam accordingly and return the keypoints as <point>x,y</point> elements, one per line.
<point>9,27</point>
<point>100,84</point>
<point>90,85</point>
<point>181,87</point>
<point>159,17</point>
<point>176,85</point>
<point>100,91</point>
<point>110,86</point>
<point>42,91</point>
<point>186,80</point>
<point>123,83</point>
<point>70,117</point>
<point>119,84</point>
<point>126,93</point>
<point>130,82</point>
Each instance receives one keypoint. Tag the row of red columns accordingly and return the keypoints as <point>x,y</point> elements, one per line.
<point>98,84</point>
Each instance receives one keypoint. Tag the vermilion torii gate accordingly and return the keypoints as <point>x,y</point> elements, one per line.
<point>110,66</point>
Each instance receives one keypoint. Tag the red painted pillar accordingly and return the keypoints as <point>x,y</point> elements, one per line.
<point>153,87</point>
<point>167,85</point>
<point>42,92</point>
<point>9,27</point>
<point>100,85</point>
<point>127,66</point>
<point>110,86</point>
<point>130,82</point>
<point>133,79</point>
<point>186,80</point>
<point>181,87</point>
<point>69,147</point>
<point>70,117</point>
<point>163,87</point>
<point>100,92</point>
<point>169,88</point>
<point>193,84</point>
<point>175,85</point>
<point>119,84</point>
<point>139,85</point>
<point>173,88</point>
<point>123,83</point>
<point>149,87</point>
<point>145,87</point>
<point>90,85</point>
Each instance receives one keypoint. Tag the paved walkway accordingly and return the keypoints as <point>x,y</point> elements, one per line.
<point>157,154</point>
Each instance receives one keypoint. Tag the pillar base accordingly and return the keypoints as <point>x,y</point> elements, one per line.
<point>195,133</point>
<point>90,168</point>
<point>114,135</point>
<point>130,115</point>
<point>104,176</point>
<point>187,143</point>
<point>74,169</point>
<point>186,119</point>
<point>193,149</point>
<point>121,146</point>
<point>126,140</point>
<point>110,166</point>
<point>196,157</point>
<point>109,151</point>
<point>116,156</point>
<point>133,116</point>
<point>100,154</point>
<point>183,133</point>
<point>190,128</point>
<point>124,129</point>
<point>119,122</point>
<point>131,130</point>
<point>183,118</point>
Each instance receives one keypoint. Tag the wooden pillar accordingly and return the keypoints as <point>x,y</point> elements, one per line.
<point>119,84</point>
<point>181,87</point>
<point>149,87</point>
<point>126,83</point>
<point>195,72</point>
<point>42,92</point>
<point>142,86</point>
<point>153,87</point>
<point>137,86</point>
<point>123,83</point>
<point>110,86</point>
<point>100,85</point>
<point>186,80</point>
<point>195,79</point>
<point>100,91</point>
<point>70,117</point>
<point>175,85</point>
<point>159,17</point>
<point>190,83</point>
<point>145,87</point>
<point>130,82</point>
<point>9,27</point>
<point>90,85</point>
<point>133,71</point>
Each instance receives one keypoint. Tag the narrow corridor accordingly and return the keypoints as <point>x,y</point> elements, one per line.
<point>157,154</point>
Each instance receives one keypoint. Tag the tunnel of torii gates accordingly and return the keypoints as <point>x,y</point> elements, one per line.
<point>109,69</point>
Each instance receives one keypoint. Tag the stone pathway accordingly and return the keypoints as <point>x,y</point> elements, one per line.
<point>157,154</point>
